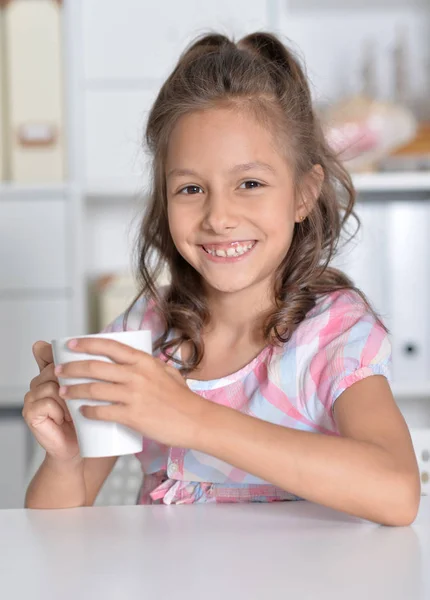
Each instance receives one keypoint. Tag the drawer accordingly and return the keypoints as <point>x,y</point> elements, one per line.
<point>23,322</point>
<point>408,268</point>
<point>148,37</point>
<point>14,437</point>
<point>33,243</point>
<point>114,125</point>
<point>364,259</point>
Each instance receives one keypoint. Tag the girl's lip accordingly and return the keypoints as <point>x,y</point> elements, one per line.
<point>227,259</point>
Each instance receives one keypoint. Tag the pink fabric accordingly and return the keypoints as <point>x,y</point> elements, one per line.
<point>294,385</point>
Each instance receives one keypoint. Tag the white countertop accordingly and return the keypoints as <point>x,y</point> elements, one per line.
<point>293,550</point>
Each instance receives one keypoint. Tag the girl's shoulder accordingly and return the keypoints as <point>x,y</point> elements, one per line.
<point>338,310</point>
<point>340,342</point>
<point>340,322</point>
<point>341,334</point>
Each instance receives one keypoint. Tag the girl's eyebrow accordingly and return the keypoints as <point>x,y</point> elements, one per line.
<point>236,169</point>
<point>252,165</point>
<point>180,172</point>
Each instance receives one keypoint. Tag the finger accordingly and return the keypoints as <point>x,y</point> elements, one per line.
<point>47,374</point>
<point>103,413</point>
<point>50,390</point>
<point>93,369</point>
<point>98,390</point>
<point>37,412</point>
<point>42,352</point>
<point>46,391</point>
<point>117,352</point>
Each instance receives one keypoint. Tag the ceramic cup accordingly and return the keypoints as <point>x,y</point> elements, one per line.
<point>100,438</point>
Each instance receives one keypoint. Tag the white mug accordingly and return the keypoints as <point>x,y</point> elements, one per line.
<point>100,438</point>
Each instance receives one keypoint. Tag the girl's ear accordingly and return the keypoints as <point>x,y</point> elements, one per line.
<point>309,193</point>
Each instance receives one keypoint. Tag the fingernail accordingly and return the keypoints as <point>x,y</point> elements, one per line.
<point>58,369</point>
<point>63,390</point>
<point>72,343</point>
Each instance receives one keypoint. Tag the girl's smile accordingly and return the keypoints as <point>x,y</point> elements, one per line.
<point>231,252</point>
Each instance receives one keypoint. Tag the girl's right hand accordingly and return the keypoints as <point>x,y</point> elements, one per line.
<point>45,413</point>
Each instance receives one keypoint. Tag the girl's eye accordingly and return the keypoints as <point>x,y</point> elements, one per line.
<point>190,189</point>
<point>250,185</point>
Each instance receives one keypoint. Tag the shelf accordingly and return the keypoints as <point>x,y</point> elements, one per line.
<point>133,187</point>
<point>303,6</point>
<point>116,189</point>
<point>392,182</point>
<point>11,191</point>
<point>120,189</point>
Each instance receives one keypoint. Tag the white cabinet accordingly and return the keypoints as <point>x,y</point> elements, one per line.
<point>114,126</point>
<point>364,258</point>
<point>389,262</point>
<point>139,39</point>
<point>2,99</point>
<point>13,460</point>
<point>33,244</point>
<point>23,321</point>
<point>128,49</point>
<point>36,279</point>
<point>409,270</point>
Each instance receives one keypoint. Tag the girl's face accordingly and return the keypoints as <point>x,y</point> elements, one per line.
<point>231,201</point>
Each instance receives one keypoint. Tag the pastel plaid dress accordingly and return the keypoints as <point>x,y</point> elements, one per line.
<point>294,385</point>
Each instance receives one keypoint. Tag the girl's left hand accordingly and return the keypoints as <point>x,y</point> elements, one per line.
<point>148,395</point>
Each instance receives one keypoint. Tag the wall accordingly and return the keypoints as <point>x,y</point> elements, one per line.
<point>128,47</point>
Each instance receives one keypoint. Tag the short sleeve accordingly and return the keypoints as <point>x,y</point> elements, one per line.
<point>351,345</point>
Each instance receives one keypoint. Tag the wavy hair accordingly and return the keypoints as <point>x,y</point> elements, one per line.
<point>258,73</point>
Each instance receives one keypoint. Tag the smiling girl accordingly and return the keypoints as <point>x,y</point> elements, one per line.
<point>269,377</point>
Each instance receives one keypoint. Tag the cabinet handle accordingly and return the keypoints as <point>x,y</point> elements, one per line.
<point>410,349</point>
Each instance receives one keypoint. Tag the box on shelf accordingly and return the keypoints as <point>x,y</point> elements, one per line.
<point>33,91</point>
<point>112,294</point>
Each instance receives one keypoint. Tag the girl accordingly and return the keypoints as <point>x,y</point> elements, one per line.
<point>269,380</point>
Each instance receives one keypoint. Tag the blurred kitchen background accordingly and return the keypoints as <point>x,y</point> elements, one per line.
<point>77,79</point>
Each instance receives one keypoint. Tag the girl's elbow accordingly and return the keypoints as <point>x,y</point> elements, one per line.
<point>406,505</point>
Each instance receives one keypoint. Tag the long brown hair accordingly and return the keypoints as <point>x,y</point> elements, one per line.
<point>260,74</point>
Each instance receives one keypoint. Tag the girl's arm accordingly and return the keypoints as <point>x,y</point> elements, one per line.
<point>370,471</point>
<point>67,484</point>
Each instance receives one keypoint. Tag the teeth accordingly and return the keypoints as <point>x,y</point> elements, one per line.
<point>230,252</point>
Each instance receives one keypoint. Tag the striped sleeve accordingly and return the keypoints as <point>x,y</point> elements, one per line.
<point>352,345</point>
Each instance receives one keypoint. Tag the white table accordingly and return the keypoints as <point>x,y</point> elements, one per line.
<point>293,550</point>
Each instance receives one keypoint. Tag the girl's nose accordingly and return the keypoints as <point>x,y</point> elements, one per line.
<point>219,214</point>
